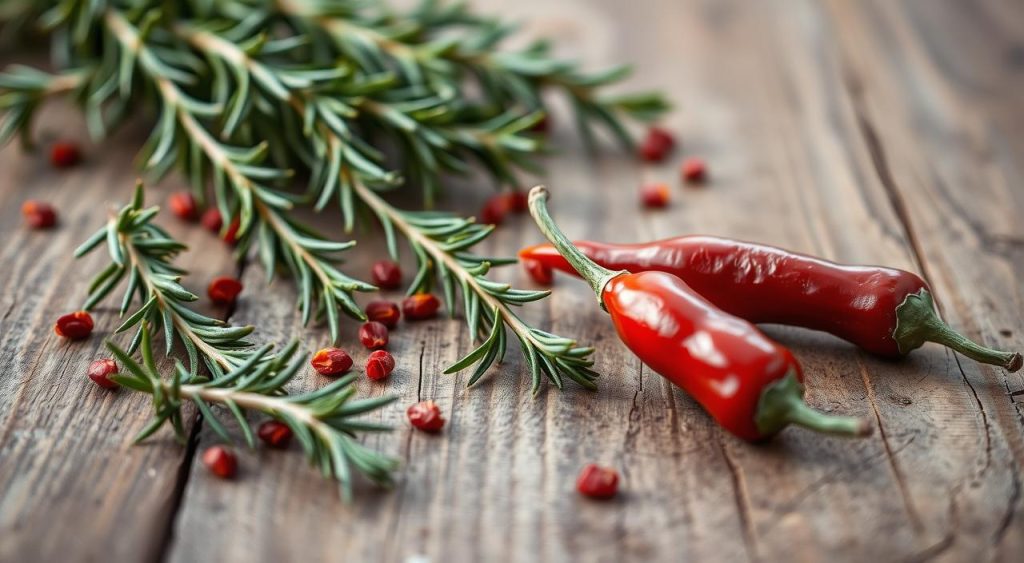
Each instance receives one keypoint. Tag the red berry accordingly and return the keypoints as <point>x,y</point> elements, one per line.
<point>539,272</point>
<point>426,416</point>
<point>212,220</point>
<point>220,461</point>
<point>386,274</point>
<point>275,434</point>
<point>517,201</point>
<point>224,290</point>
<point>379,365</point>
<point>656,146</point>
<point>100,372</point>
<point>694,170</point>
<point>420,306</point>
<point>331,361</point>
<point>654,196</point>
<point>184,206</point>
<point>75,325</point>
<point>384,312</point>
<point>38,214</point>
<point>598,482</point>
<point>65,155</point>
<point>494,211</point>
<point>231,235</point>
<point>373,335</point>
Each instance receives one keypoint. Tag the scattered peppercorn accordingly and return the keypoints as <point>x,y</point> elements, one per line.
<point>539,272</point>
<point>275,434</point>
<point>426,416</point>
<point>656,146</point>
<point>494,210</point>
<point>331,361</point>
<point>224,290</point>
<point>220,461</point>
<point>184,207</point>
<point>654,196</point>
<point>383,312</point>
<point>694,170</point>
<point>212,220</point>
<point>379,365</point>
<point>420,306</point>
<point>100,372</point>
<point>598,482</point>
<point>74,326</point>
<point>38,214</point>
<point>231,235</point>
<point>386,274</point>
<point>517,201</point>
<point>65,154</point>
<point>373,335</point>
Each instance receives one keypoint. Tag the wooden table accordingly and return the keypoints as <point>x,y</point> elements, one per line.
<point>870,132</point>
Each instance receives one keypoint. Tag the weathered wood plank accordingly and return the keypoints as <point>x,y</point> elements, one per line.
<point>72,485</point>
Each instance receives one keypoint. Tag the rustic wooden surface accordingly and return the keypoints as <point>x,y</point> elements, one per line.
<point>876,132</point>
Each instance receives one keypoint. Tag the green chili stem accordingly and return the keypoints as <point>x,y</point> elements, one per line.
<point>782,403</point>
<point>917,323</point>
<point>595,275</point>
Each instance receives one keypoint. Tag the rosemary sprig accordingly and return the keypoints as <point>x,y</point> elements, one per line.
<point>322,420</point>
<point>22,90</point>
<point>143,252</point>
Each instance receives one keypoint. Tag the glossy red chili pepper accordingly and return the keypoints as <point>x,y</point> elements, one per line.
<point>65,154</point>
<point>386,274</point>
<point>184,206</point>
<point>220,461</point>
<point>384,312</point>
<point>379,365</point>
<point>74,326</point>
<point>373,335</point>
<point>100,372</point>
<point>38,214</point>
<point>275,434</point>
<point>885,311</point>
<point>539,271</point>
<point>598,482</point>
<point>752,386</point>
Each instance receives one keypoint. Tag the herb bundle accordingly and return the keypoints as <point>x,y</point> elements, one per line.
<point>353,96</point>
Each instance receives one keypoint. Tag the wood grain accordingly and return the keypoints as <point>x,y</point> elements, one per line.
<point>870,132</point>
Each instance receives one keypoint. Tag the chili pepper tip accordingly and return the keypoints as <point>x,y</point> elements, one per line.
<point>782,403</point>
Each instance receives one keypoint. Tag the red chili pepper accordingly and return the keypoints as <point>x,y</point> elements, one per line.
<point>184,206</point>
<point>598,482</point>
<point>654,196</point>
<point>212,220</point>
<point>379,365</point>
<point>373,335</point>
<point>386,274</point>
<point>331,361</point>
<point>885,311</point>
<point>656,146</point>
<point>74,326</point>
<point>384,312</point>
<point>100,372</point>
<point>275,434</point>
<point>65,155</point>
<point>38,214</point>
<point>420,306</point>
<point>539,272</point>
<point>224,290</point>
<point>220,461</point>
<point>694,170</point>
<point>751,385</point>
<point>426,416</point>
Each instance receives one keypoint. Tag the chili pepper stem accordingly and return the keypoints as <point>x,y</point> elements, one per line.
<point>917,323</point>
<point>594,274</point>
<point>782,403</point>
